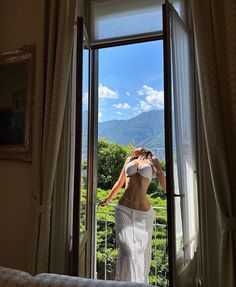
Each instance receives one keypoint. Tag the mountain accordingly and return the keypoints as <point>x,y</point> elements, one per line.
<point>146,129</point>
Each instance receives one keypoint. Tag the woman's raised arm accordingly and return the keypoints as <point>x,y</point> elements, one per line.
<point>160,174</point>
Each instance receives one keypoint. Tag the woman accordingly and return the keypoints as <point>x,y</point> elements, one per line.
<point>134,215</point>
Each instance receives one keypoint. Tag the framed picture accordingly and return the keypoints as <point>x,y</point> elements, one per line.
<point>17,75</point>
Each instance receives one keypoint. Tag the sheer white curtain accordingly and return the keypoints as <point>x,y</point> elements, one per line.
<point>183,125</point>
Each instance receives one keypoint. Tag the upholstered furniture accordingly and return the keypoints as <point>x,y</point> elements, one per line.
<point>14,278</point>
<point>17,278</point>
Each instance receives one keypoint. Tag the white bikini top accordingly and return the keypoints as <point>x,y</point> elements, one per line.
<point>145,170</point>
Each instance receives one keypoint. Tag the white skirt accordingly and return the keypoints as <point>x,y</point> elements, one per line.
<point>134,237</point>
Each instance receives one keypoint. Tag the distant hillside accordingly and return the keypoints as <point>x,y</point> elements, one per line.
<point>146,129</point>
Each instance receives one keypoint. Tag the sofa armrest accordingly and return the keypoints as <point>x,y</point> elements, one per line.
<point>56,280</point>
<point>14,278</point>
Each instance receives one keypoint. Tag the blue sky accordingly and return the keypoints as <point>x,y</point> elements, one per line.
<point>130,80</point>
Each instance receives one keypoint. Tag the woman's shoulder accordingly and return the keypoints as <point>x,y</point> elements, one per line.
<point>129,158</point>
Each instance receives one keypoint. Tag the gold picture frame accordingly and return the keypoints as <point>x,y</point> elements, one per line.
<point>17,77</point>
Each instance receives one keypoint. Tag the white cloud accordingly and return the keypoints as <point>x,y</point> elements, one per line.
<point>153,99</point>
<point>123,106</point>
<point>127,94</point>
<point>105,92</point>
<point>119,113</point>
<point>137,110</point>
<point>144,106</point>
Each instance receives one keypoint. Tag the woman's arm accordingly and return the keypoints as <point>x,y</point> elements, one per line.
<point>160,174</point>
<point>116,187</point>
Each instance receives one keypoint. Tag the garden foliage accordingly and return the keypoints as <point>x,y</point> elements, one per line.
<point>111,157</point>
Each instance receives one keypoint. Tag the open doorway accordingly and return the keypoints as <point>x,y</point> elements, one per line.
<point>123,105</point>
<point>130,114</point>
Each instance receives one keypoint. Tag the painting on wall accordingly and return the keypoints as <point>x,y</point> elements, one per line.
<point>17,70</point>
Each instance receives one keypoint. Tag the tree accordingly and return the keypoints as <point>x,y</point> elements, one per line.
<point>111,158</point>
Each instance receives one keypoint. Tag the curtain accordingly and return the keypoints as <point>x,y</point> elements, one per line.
<point>183,125</point>
<point>208,223</point>
<point>215,41</point>
<point>54,53</point>
<point>62,195</point>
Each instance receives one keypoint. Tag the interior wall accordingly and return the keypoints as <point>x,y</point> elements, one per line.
<point>18,27</point>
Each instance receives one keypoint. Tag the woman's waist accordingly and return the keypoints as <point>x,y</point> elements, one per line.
<point>126,207</point>
<point>135,198</point>
<point>138,181</point>
<point>138,203</point>
<point>135,194</point>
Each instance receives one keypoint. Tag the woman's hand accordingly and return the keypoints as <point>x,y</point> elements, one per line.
<point>104,202</point>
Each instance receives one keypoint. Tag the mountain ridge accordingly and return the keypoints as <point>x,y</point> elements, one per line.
<point>145,129</point>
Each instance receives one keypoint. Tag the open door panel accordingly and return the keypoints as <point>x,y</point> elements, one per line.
<point>180,147</point>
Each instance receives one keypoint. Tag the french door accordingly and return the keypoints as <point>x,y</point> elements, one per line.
<point>179,143</point>
<point>180,147</point>
<point>83,250</point>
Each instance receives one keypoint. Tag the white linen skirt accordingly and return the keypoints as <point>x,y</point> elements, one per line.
<point>134,237</point>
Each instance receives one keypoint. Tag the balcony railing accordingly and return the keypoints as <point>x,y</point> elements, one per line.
<point>107,247</point>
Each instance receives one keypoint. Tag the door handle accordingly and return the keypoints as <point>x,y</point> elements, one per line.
<point>179,195</point>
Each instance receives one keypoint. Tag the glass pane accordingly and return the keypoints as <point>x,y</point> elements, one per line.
<point>83,200</point>
<point>13,99</point>
<point>119,18</point>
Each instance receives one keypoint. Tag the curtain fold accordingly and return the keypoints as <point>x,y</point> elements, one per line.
<point>215,40</point>
<point>62,190</point>
<point>54,53</point>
